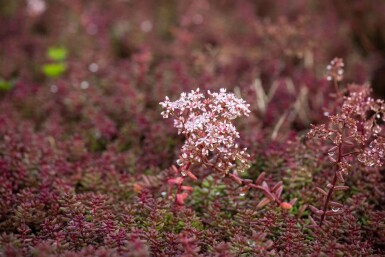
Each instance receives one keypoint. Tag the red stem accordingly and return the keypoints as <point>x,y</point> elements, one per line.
<point>333,184</point>
<point>205,161</point>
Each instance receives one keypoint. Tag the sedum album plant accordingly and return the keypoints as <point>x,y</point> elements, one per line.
<point>351,135</point>
<point>206,123</point>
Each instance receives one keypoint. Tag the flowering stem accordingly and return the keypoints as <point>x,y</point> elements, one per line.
<point>336,88</point>
<point>340,155</point>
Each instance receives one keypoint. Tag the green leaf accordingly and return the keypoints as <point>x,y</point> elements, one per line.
<point>5,86</point>
<point>54,70</point>
<point>207,182</point>
<point>57,53</point>
<point>196,224</point>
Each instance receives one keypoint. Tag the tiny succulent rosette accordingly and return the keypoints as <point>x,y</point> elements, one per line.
<point>210,134</point>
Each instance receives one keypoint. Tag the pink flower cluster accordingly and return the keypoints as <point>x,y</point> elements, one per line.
<point>356,127</point>
<point>206,123</point>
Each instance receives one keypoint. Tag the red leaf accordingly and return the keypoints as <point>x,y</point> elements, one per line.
<point>312,221</point>
<point>235,178</point>
<point>340,177</point>
<point>293,201</point>
<point>177,180</point>
<point>181,197</point>
<point>266,192</point>
<point>264,185</point>
<point>279,191</point>
<point>191,175</point>
<point>265,201</point>
<point>276,186</point>
<point>260,178</point>
<point>174,169</point>
<point>320,190</point>
<point>341,188</point>
<point>334,212</point>
<point>335,204</point>
<point>187,188</point>
<point>315,210</point>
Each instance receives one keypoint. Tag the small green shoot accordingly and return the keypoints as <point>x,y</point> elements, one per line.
<point>57,54</point>
<point>5,86</point>
<point>54,70</point>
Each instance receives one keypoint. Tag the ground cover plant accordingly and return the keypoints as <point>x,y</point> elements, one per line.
<point>192,128</point>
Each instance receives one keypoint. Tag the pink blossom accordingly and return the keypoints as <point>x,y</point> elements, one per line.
<point>206,123</point>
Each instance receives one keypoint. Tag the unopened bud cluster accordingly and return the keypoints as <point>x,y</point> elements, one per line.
<point>335,70</point>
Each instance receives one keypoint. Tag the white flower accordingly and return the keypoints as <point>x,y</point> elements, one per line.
<point>206,121</point>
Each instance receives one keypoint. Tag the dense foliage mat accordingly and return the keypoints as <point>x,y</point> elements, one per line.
<point>89,167</point>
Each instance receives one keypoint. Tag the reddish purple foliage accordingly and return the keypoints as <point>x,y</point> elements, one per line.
<point>86,161</point>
